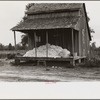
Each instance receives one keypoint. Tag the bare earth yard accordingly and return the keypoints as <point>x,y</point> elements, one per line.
<point>30,73</point>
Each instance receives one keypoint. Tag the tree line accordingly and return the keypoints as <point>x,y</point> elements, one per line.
<point>19,46</point>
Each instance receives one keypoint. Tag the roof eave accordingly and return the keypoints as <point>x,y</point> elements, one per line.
<point>52,11</point>
<point>87,21</point>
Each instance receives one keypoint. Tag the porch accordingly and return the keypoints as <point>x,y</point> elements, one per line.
<point>66,38</point>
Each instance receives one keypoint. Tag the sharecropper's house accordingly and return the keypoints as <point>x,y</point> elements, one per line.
<point>59,24</point>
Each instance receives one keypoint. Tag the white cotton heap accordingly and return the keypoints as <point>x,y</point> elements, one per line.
<point>53,51</point>
<point>64,53</point>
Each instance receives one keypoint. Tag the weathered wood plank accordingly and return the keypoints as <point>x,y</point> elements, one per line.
<point>72,42</point>
<point>35,44</point>
<point>15,40</point>
<point>46,44</point>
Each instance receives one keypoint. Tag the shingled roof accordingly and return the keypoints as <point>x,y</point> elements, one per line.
<point>65,21</point>
<point>49,7</point>
<point>47,23</point>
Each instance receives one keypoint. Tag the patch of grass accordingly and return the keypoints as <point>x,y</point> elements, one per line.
<point>93,62</point>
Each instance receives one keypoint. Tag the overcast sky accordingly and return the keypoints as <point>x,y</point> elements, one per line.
<point>11,12</point>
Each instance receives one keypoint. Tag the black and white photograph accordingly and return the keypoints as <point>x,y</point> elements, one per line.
<point>49,42</point>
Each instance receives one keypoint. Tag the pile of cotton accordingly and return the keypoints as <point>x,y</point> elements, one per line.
<point>53,51</point>
<point>64,53</point>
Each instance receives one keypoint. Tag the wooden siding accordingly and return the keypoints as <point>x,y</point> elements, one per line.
<point>84,35</point>
<point>31,41</point>
<point>76,42</point>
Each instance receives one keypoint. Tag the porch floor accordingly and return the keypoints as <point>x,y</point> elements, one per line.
<point>71,60</point>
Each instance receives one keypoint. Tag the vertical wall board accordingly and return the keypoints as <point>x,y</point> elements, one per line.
<point>31,40</point>
<point>76,42</point>
<point>85,45</point>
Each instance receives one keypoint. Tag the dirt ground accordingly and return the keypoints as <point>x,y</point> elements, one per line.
<point>30,73</point>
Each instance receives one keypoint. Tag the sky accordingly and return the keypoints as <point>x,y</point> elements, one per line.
<point>11,12</point>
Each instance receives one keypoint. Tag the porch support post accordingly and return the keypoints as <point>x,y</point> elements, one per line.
<point>28,42</point>
<point>72,42</point>
<point>35,44</point>
<point>15,40</point>
<point>46,44</point>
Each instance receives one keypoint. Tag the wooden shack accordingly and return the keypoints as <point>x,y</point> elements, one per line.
<point>62,24</point>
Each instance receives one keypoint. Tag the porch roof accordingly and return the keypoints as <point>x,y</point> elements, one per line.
<point>47,23</point>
